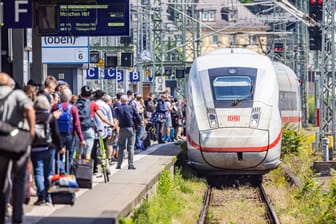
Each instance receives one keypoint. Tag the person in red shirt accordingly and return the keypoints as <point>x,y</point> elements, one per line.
<point>68,139</point>
<point>86,93</point>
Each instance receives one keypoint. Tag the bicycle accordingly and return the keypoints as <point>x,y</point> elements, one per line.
<point>103,162</point>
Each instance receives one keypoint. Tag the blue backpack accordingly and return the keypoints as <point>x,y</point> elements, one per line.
<point>65,120</point>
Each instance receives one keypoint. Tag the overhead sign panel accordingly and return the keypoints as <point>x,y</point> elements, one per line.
<point>65,49</point>
<point>80,18</point>
<point>17,13</point>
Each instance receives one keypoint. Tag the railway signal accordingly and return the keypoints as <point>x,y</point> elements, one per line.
<point>315,33</point>
<point>315,10</point>
<point>315,38</point>
<point>278,50</point>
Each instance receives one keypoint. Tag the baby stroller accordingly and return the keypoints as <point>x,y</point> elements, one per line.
<point>150,134</point>
<point>151,131</point>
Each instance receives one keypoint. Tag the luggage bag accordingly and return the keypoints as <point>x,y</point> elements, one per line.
<point>63,187</point>
<point>83,171</point>
<point>63,197</point>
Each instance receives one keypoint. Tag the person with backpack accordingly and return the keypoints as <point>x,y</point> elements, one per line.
<point>160,111</point>
<point>86,111</point>
<point>46,140</point>
<point>68,125</point>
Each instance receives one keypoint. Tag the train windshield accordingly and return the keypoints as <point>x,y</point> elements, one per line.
<point>232,87</point>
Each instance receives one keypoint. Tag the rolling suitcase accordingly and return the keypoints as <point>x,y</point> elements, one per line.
<point>83,171</point>
<point>63,187</point>
<point>63,198</point>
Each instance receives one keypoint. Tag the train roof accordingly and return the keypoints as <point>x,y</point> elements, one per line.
<point>231,51</point>
<point>232,57</point>
<point>283,69</point>
<point>288,81</point>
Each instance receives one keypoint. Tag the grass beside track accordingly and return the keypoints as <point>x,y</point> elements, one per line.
<point>312,201</point>
<point>179,198</point>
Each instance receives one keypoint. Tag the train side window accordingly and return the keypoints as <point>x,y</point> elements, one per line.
<point>287,100</point>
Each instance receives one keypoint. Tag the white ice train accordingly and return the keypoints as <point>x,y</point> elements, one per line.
<point>289,98</point>
<point>233,118</point>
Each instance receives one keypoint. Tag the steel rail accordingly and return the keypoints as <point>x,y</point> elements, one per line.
<point>206,203</point>
<point>271,214</point>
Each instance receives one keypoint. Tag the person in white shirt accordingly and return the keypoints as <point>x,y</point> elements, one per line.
<point>102,129</point>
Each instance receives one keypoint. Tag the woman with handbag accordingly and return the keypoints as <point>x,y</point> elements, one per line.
<point>46,139</point>
<point>16,109</point>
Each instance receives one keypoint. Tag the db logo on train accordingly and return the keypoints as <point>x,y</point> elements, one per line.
<point>233,118</point>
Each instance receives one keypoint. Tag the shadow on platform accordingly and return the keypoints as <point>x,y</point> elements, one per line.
<point>74,220</point>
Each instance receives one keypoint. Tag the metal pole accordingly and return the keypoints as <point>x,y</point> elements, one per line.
<point>1,23</point>
<point>18,53</point>
<point>37,70</point>
<point>318,110</point>
<point>325,145</point>
<point>101,77</point>
<point>116,81</point>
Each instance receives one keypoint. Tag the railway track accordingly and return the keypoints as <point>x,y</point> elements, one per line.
<point>232,199</point>
<point>271,214</point>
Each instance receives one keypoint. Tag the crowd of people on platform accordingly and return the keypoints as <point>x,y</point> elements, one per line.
<point>65,127</point>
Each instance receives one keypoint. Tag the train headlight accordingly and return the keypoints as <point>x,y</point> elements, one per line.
<point>212,120</point>
<point>255,117</point>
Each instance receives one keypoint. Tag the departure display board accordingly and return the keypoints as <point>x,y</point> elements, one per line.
<point>80,18</point>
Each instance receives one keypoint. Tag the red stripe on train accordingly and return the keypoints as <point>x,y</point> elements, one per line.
<point>286,119</point>
<point>235,149</point>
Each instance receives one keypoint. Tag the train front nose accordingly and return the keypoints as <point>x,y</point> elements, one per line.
<point>238,148</point>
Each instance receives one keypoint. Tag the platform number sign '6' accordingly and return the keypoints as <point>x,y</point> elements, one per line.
<point>160,84</point>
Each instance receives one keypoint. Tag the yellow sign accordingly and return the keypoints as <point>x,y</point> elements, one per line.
<point>100,62</point>
<point>147,72</point>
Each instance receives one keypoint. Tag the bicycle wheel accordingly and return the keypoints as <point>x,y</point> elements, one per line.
<point>106,178</point>
<point>107,175</point>
<point>107,168</point>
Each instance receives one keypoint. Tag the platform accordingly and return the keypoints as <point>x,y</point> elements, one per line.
<point>107,202</point>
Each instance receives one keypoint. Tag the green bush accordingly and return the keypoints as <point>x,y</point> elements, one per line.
<point>328,215</point>
<point>291,141</point>
<point>315,204</point>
